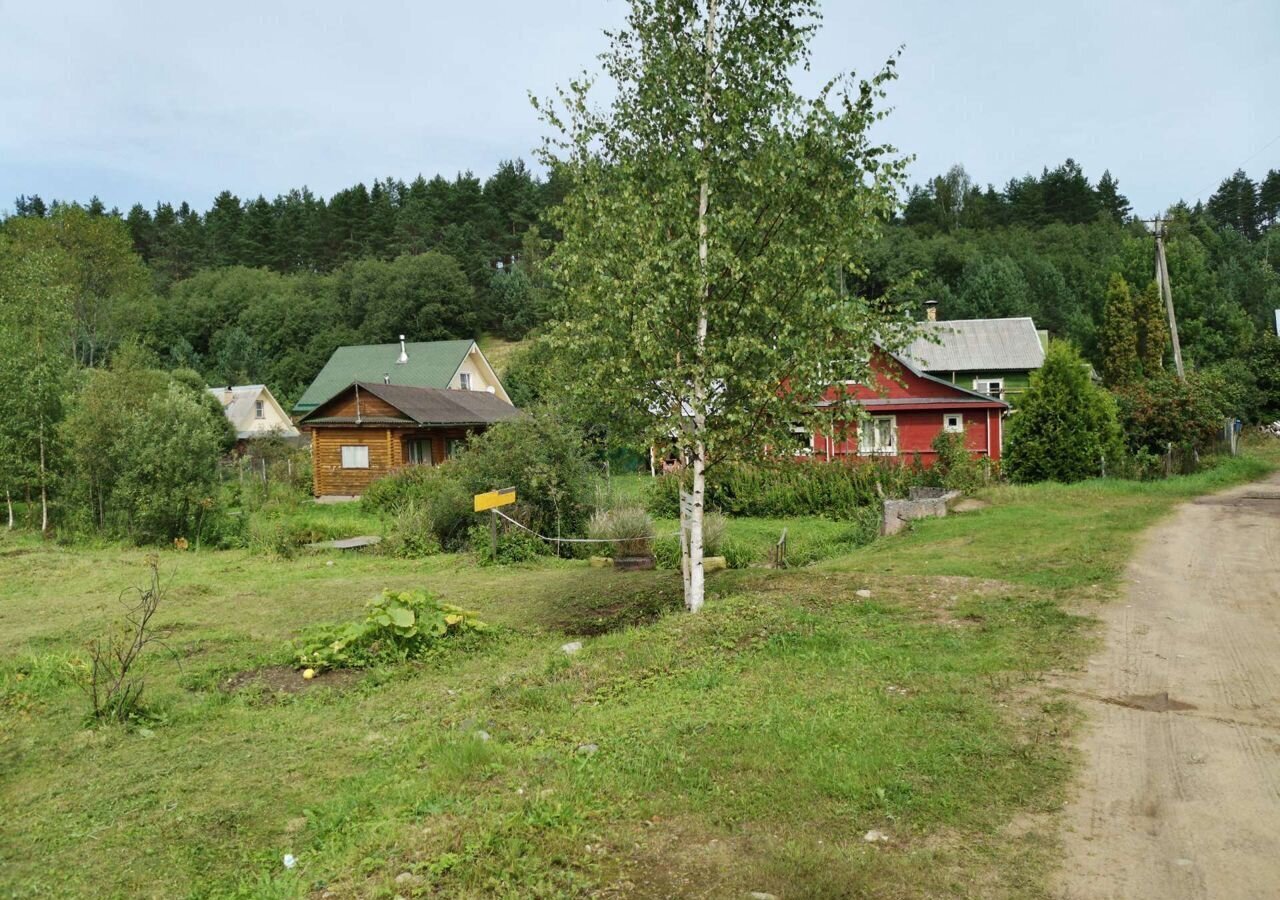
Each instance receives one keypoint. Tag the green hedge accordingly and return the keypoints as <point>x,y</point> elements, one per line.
<point>833,490</point>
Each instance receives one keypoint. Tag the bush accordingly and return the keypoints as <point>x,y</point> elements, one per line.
<point>431,498</point>
<point>544,460</point>
<point>514,545</point>
<point>411,534</point>
<point>715,527</point>
<point>1163,410</point>
<point>1064,426</point>
<point>143,453</point>
<point>954,467</point>
<point>400,625</point>
<point>787,488</point>
<point>628,528</point>
<point>540,457</point>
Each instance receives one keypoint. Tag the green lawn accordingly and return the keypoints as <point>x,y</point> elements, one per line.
<point>749,748</point>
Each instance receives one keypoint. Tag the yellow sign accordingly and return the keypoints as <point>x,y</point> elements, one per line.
<point>494,499</point>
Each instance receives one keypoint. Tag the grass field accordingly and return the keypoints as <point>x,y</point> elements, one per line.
<point>750,748</point>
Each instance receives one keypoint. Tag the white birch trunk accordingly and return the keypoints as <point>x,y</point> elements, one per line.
<point>696,594</point>
<point>8,502</point>
<point>44,493</point>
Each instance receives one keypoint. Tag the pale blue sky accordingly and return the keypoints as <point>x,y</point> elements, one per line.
<point>143,101</point>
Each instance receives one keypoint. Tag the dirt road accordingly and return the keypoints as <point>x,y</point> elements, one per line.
<point>1180,794</point>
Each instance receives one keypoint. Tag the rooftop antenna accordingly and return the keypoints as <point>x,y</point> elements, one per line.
<point>404,355</point>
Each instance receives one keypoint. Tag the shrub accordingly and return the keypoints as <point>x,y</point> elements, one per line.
<point>954,467</point>
<point>715,528</point>
<point>428,497</point>
<point>514,545</point>
<point>544,459</point>
<point>400,625</point>
<point>1163,410</point>
<point>143,453</point>
<point>628,528</point>
<point>109,679</point>
<point>1065,425</point>
<point>411,534</point>
<point>786,488</point>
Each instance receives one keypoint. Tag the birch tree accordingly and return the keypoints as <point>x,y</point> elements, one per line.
<point>713,216</point>
<point>35,370</point>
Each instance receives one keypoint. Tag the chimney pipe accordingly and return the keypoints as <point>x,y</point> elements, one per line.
<point>404,356</point>
<point>931,310</point>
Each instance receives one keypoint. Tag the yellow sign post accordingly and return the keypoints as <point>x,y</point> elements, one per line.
<point>494,499</point>
<point>491,501</point>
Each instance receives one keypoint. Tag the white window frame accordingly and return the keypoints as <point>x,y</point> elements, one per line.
<point>982,384</point>
<point>464,380</point>
<point>355,456</point>
<point>958,428</point>
<point>875,447</point>
<point>807,446</point>
<point>259,409</point>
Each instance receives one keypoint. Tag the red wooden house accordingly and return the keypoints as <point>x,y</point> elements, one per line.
<point>907,409</point>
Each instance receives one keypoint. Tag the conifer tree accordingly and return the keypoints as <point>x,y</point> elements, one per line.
<point>1066,428</point>
<point>1119,338</point>
<point>1153,330</point>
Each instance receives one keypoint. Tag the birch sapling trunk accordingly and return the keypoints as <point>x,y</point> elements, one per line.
<point>697,576</point>
<point>44,492</point>
<point>8,502</point>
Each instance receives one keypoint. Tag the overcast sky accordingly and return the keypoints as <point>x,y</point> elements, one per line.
<point>147,101</point>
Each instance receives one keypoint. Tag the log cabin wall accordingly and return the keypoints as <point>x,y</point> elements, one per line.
<point>344,407</point>
<point>330,478</point>
<point>388,451</point>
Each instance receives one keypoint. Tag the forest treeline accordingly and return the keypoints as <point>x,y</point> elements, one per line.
<point>263,290</point>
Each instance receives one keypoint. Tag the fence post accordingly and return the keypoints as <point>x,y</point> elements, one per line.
<point>493,534</point>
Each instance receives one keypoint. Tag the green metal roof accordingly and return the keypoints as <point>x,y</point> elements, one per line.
<point>431,365</point>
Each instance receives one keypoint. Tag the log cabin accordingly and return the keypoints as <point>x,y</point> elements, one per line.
<point>368,430</point>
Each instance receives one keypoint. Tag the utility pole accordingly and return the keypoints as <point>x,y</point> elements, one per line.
<point>1166,291</point>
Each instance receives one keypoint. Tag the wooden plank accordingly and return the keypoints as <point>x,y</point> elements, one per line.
<point>351,543</point>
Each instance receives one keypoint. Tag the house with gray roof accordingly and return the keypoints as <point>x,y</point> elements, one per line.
<point>993,356</point>
<point>369,429</point>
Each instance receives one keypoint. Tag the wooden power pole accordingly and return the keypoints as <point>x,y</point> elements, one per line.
<point>1162,279</point>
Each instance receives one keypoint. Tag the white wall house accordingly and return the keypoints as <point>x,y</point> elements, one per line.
<point>253,411</point>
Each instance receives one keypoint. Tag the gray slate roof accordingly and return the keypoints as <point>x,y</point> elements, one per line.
<point>977,345</point>
<point>429,406</point>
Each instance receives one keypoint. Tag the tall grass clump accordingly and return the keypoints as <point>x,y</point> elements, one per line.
<point>629,529</point>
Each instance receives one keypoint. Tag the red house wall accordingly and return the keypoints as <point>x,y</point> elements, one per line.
<point>917,427</point>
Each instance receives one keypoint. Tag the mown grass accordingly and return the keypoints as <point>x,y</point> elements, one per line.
<point>748,748</point>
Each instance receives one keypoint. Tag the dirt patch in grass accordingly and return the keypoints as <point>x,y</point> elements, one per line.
<point>287,680</point>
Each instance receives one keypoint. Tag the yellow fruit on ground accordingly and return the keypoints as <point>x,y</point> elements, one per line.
<point>309,674</point>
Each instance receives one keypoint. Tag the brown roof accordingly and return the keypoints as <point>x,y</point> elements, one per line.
<point>427,406</point>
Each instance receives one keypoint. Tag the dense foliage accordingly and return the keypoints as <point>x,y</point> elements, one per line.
<point>1065,428</point>
<point>141,453</point>
<point>836,490</point>
<point>540,455</point>
<point>1161,411</point>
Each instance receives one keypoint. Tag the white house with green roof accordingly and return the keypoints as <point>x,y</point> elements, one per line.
<point>444,365</point>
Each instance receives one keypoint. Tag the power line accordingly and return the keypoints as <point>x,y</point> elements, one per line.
<point>1250,158</point>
